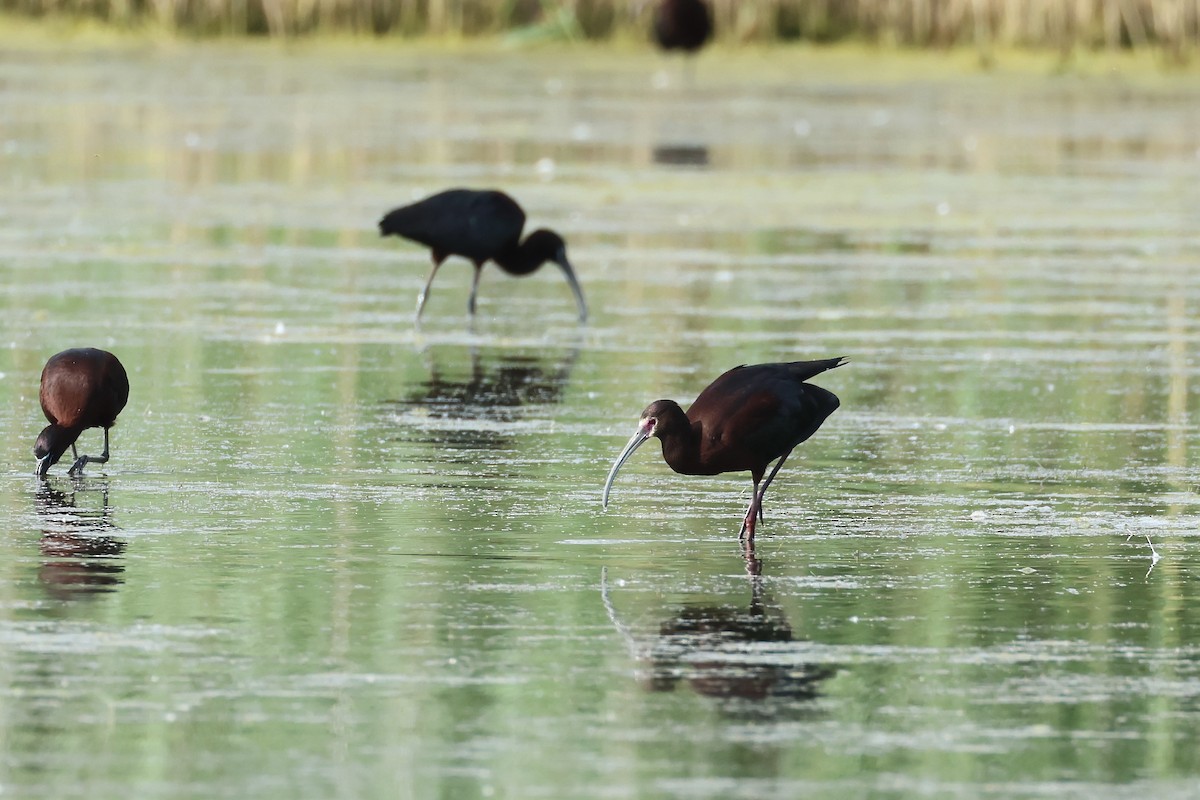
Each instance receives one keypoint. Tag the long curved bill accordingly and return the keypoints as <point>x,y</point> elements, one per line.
<point>43,466</point>
<point>638,439</point>
<point>569,271</point>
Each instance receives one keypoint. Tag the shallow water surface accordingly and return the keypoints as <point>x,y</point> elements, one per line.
<point>335,555</point>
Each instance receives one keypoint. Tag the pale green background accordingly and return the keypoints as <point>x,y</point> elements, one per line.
<point>339,559</point>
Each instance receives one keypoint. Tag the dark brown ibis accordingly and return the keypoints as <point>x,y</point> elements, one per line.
<point>682,24</point>
<point>743,420</point>
<point>480,226</point>
<point>81,388</point>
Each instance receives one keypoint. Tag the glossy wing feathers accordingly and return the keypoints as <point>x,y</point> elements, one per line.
<point>83,388</point>
<point>754,414</point>
<point>54,386</point>
<point>743,381</point>
<point>475,224</point>
<point>803,370</point>
<point>115,386</point>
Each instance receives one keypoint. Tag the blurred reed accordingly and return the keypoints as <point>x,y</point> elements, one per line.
<point>1169,25</point>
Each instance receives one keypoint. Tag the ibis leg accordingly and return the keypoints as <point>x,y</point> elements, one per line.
<point>767,482</point>
<point>757,503</point>
<point>83,460</point>
<point>753,562</point>
<point>424,295</point>
<point>474,290</point>
<point>689,72</point>
<point>753,513</point>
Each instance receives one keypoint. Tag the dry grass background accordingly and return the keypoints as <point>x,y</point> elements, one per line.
<point>1172,26</point>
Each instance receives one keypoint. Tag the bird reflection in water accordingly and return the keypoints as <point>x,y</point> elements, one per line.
<point>80,556</point>
<point>500,391</point>
<point>680,155</point>
<point>725,652</point>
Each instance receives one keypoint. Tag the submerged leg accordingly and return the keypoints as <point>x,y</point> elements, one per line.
<point>474,290</point>
<point>424,295</point>
<point>81,461</point>
<point>753,562</point>
<point>753,512</point>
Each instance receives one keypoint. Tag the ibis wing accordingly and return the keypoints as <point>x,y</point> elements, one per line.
<point>115,384</point>
<point>753,414</point>
<point>83,388</point>
<point>803,370</point>
<point>465,222</point>
<point>740,419</point>
<point>749,378</point>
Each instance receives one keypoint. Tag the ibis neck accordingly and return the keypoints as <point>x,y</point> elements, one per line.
<point>55,439</point>
<point>680,444</point>
<point>519,259</point>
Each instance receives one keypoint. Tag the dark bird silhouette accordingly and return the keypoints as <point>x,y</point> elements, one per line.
<point>481,226</point>
<point>745,419</point>
<point>81,388</point>
<point>682,24</point>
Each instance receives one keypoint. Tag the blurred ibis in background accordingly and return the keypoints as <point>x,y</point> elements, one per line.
<point>743,420</point>
<point>682,24</point>
<point>81,388</point>
<point>480,226</point>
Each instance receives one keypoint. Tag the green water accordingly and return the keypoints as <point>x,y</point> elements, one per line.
<point>333,556</point>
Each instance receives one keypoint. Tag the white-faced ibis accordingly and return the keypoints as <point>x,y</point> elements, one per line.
<point>481,226</point>
<point>743,420</point>
<point>81,388</point>
<point>682,24</point>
